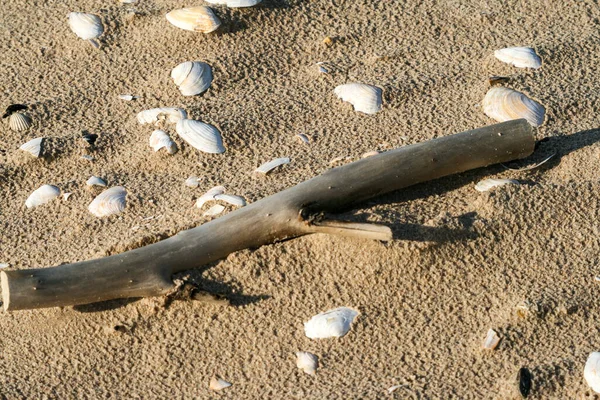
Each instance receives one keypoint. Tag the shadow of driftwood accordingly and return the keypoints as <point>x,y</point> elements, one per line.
<point>104,305</point>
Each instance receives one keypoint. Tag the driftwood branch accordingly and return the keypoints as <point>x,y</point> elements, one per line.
<point>294,212</point>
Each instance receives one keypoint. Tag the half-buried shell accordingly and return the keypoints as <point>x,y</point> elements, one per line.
<point>232,199</point>
<point>591,372</point>
<point>364,98</point>
<point>42,195</point>
<point>160,139</point>
<point>154,115</point>
<point>332,323</point>
<point>196,19</point>
<point>503,104</point>
<point>487,184</point>
<point>201,136</point>
<point>111,201</point>
<point>209,196</point>
<point>192,77</point>
<point>95,181</point>
<point>33,147</point>
<point>271,165</point>
<point>307,362</point>
<point>86,26</point>
<point>520,57</point>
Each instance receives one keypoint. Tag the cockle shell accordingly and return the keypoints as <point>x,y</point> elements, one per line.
<point>153,115</point>
<point>271,165</point>
<point>232,199</point>
<point>33,147</point>
<point>19,122</point>
<point>160,139</point>
<point>217,383</point>
<point>503,104</point>
<point>235,3</point>
<point>86,26</point>
<point>111,201</point>
<point>214,210</point>
<point>332,323</point>
<point>521,57</point>
<point>95,181</point>
<point>42,195</point>
<point>591,372</point>
<point>364,98</point>
<point>307,362</point>
<point>491,340</point>
<point>487,184</point>
<point>196,19</point>
<point>192,77</point>
<point>201,136</point>
<point>209,196</point>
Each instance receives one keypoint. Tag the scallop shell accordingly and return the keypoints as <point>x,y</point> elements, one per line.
<point>42,195</point>
<point>19,122</point>
<point>487,184</point>
<point>491,340</point>
<point>217,383</point>
<point>271,165</point>
<point>520,57</point>
<point>214,210</point>
<point>201,136</point>
<point>196,19</point>
<point>307,362</point>
<point>591,372</point>
<point>332,323</point>
<point>192,182</point>
<point>160,139</point>
<point>153,115</point>
<point>503,104</point>
<point>209,196</point>
<point>111,201</point>
<point>364,98</point>
<point>33,147</point>
<point>95,181</point>
<point>235,3</point>
<point>192,77</point>
<point>86,26</point>
<point>232,199</point>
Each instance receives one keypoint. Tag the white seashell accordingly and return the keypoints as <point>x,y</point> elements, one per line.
<point>235,3</point>
<point>332,323</point>
<point>491,340</point>
<point>86,26</point>
<point>591,372</point>
<point>153,115</point>
<point>66,196</point>
<point>217,383</point>
<point>128,97</point>
<point>95,181</point>
<point>521,57</point>
<point>4,265</point>
<point>392,389</point>
<point>33,147</point>
<point>271,165</point>
<point>232,199</point>
<point>503,104</point>
<point>487,184</point>
<point>160,139</point>
<point>192,77</point>
<point>42,195</point>
<point>364,98</point>
<point>214,210</point>
<point>19,122</point>
<point>209,196</point>
<point>192,182</point>
<point>307,362</point>
<point>111,201</point>
<point>128,1</point>
<point>196,19</point>
<point>201,136</point>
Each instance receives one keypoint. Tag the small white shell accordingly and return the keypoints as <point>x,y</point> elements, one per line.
<point>192,77</point>
<point>491,340</point>
<point>86,26</point>
<point>111,201</point>
<point>217,383</point>
<point>271,165</point>
<point>33,147</point>
<point>487,184</point>
<point>42,195</point>
<point>332,323</point>
<point>95,181</point>
<point>192,182</point>
<point>195,19</point>
<point>520,57</point>
<point>4,265</point>
<point>307,362</point>
<point>364,98</point>
<point>201,136</point>
<point>19,122</point>
<point>591,372</point>
<point>160,139</point>
<point>214,210</point>
<point>209,196</point>
<point>153,115</point>
<point>503,104</point>
<point>127,97</point>
<point>66,196</point>
<point>235,3</point>
<point>232,199</point>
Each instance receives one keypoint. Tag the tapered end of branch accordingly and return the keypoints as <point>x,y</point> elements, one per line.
<point>352,229</point>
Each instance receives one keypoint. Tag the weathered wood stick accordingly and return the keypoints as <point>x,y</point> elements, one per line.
<point>294,212</point>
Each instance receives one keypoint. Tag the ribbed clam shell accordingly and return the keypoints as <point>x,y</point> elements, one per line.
<point>19,122</point>
<point>235,3</point>
<point>271,165</point>
<point>217,383</point>
<point>196,19</point>
<point>364,98</point>
<point>160,139</point>
<point>201,136</point>
<point>95,181</point>
<point>332,323</point>
<point>33,147</point>
<point>487,184</point>
<point>209,196</point>
<point>214,210</point>
<point>192,77</point>
<point>591,372</point>
<point>86,26</point>
<point>42,195</point>
<point>153,115</point>
<point>111,201</point>
<point>232,199</point>
<point>503,104</point>
<point>521,57</point>
<point>307,362</point>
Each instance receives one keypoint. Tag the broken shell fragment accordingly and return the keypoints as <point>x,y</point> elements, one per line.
<point>491,340</point>
<point>153,115</point>
<point>111,201</point>
<point>303,138</point>
<point>364,98</point>
<point>503,104</point>
<point>127,97</point>
<point>195,19</point>
<point>192,77</point>
<point>214,210</point>
<point>235,3</point>
<point>271,165</point>
<point>95,181</point>
<point>332,323</point>
<point>160,139</point>
<point>86,26</point>
<point>66,196</point>
<point>192,182</point>
<point>370,154</point>
<point>217,383</point>
<point>520,57</point>
<point>591,372</point>
<point>209,196</point>
<point>42,195</point>
<point>307,362</point>
<point>201,136</point>
<point>33,147</point>
<point>19,122</point>
<point>487,184</point>
<point>232,199</point>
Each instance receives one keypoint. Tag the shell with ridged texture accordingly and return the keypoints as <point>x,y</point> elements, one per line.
<point>111,201</point>
<point>201,136</point>
<point>192,77</point>
<point>503,104</point>
<point>520,57</point>
<point>33,147</point>
<point>19,122</point>
<point>365,98</point>
<point>195,19</point>
<point>42,195</point>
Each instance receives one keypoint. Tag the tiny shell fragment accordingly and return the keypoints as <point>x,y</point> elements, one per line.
<point>192,182</point>
<point>504,104</point>
<point>95,181</point>
<point>307,362</point>
<point>271,165</point>
<point>209,196</point>
<point>66,196</point>
<point>332,323</point>
<point>160,139</point>
<point>214,210</point>
<point>201,136</point>
<point>303,138</point>
<point>217,383</point>
<point>127,97</point>
<point>153,115</point>
<point>491,340</point>
<point>19,122</point>
<point>4,265</point>
<point>487,184</point>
